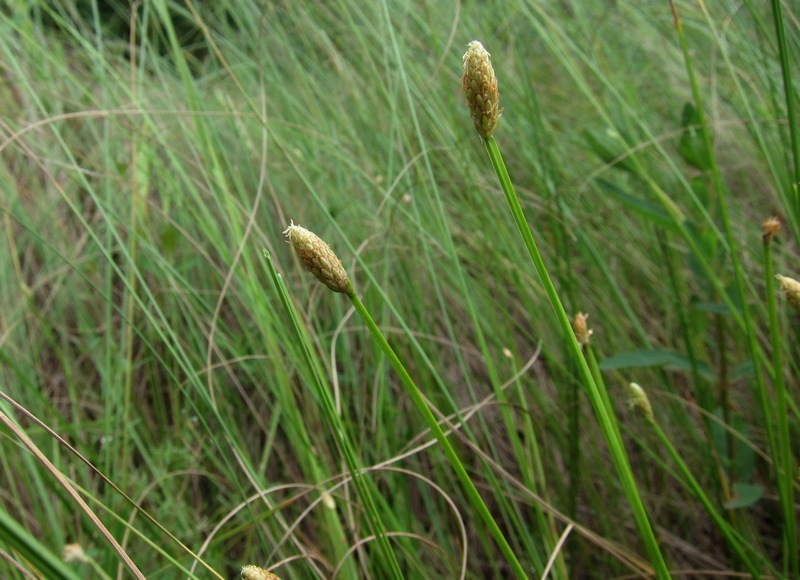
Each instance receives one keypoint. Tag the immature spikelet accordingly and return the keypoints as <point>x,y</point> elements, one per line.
<point>772,226</point>
<point>582,332</point>
<point>480,87</point>
<point>637,399</point>
<point>256,573</point>
<point>791,289</point>
<point>318,258</point>
<point>74,553</point>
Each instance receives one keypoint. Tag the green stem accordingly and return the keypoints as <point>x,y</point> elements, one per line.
<point>615,443</point>
<point>784,468</point>
<point>794,133</point>
<point>338,429</point>
<point>433,424</point>
<point>727,530</point>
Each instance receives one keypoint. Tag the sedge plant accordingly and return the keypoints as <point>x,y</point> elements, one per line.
<point>318,258</point>
<point>480,85</point>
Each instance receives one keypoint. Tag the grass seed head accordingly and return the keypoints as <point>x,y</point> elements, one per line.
<point>479,84</point>
<point>318,258</point>
<point>772,226</point>
<point>256,573</point>
<point>582,332</point>
<point>638,400</point>
<point>791,289</point>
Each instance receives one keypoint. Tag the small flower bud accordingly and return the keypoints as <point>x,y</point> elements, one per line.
<point>637,399</point>
<point>256,573</point>
<point>480,86</point>
<point>772,226</point>
<point>791,289</point>
<point>582,332</point>
<point>318,258</point>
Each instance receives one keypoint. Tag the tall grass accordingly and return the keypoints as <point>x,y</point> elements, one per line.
<point>149,154</point>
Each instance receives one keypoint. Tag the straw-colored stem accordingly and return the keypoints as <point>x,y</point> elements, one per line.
<point>419,401</point>
<point>618,452</point>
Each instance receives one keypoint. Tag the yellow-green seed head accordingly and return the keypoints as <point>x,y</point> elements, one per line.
<point>480,87</point>
<point>637,399</point>
<point>791,289</point>
<point>317,257</point>
<point>256,573</point>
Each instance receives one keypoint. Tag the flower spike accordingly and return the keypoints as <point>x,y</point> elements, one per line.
<point>479,84</point>
<point>318,258</point>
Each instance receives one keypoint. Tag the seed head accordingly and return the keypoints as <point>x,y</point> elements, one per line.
<point>318,258</point>
<point>582,332</point>
<point>637,399</point>
<point>791,289</point>
<point>256,573</point>
<point>480,86</point>
<point>772,226</point>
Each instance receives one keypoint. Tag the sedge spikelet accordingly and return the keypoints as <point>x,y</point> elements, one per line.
<point>791,289</point>
<point>318,258</point>
<point>582,331</point>
<point>771,227</point>
<point>638,400</point>
<point>479,84</point>
<point>256,573</point>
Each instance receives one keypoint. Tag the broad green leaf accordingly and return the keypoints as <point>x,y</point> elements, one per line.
<point>744,495</point>
<point>652,358</point>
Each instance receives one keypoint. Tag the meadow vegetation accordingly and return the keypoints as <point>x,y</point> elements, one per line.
<point>180,398</point>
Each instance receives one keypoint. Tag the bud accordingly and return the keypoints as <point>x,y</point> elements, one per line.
<point>480,86</point>
<point>256,573</point>
<point>582,332</point>
<point>772,226</point>
<point>791,289</point>
<point>637,399</point>
<point>318,258</point>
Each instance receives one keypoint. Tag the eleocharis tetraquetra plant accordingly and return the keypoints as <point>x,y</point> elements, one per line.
<point>317,257</point>
<point>480,86</point>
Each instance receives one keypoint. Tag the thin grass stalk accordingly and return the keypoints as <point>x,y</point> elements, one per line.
<point>784,468</point>
<point>756,352</point>
<point>338,429</point>
<point>791,112</point>
<point>598,399</point>
<point>533,470</point>
<point>73,493</point>
<point>419,401</point>
<point>730,533</point>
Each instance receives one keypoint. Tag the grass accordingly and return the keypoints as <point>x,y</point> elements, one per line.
<point>172,407</point>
